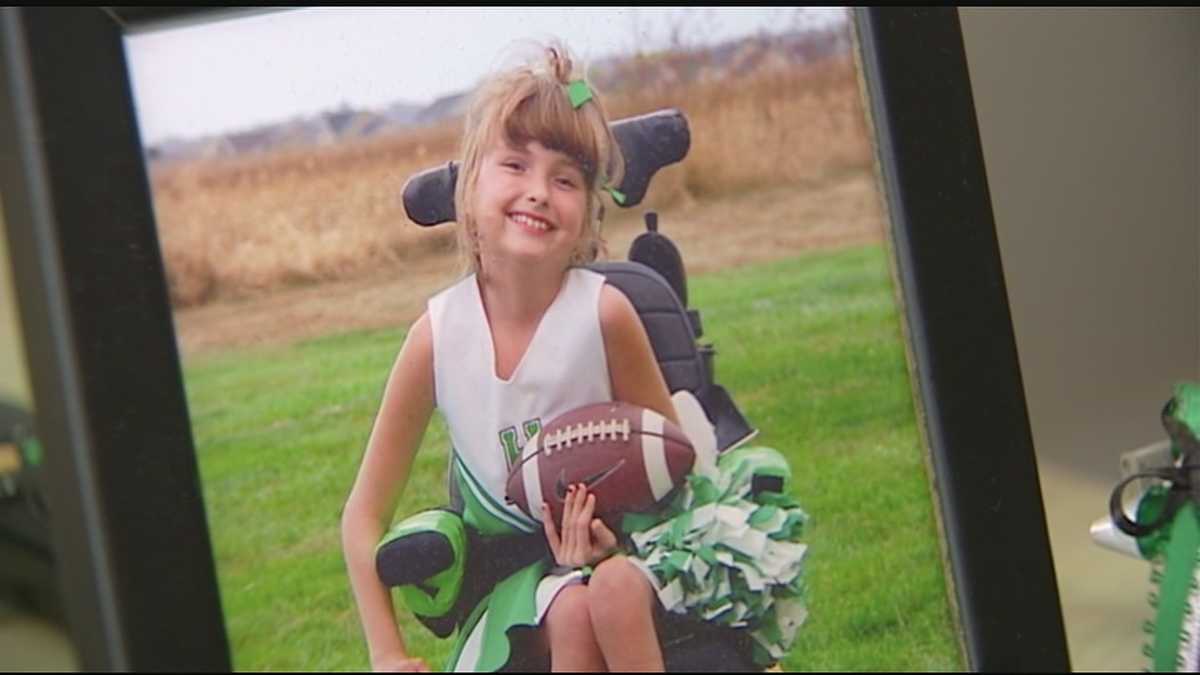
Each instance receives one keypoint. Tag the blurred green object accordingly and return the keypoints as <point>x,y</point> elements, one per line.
<point>1167,530</point>
<point>31,450</point>
<point>1174,647</point>
<point>27,573</point>
<point>1181,419</point>
<point>1149,508</point>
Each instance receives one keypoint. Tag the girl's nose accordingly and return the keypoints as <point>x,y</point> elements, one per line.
<point>537,195</point>
<point>537,191</point>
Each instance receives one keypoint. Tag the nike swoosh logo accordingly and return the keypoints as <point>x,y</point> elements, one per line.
<point>560,486</point>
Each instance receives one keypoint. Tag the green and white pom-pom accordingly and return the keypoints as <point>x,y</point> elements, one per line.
<point>726,556</point>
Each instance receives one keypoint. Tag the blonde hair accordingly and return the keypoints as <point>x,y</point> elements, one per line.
<point>530,103</point>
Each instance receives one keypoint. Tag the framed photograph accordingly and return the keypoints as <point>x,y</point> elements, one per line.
<point>216,270</point>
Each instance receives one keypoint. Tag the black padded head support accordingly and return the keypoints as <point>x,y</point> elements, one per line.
<point>648,142</point>
<point>660,254</point>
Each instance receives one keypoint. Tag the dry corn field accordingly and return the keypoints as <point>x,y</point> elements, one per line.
<point>238,231</point>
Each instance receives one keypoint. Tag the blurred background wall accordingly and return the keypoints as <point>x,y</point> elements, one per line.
<point>1089,121</point>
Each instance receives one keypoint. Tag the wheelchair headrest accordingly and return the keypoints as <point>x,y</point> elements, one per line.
<point>648,142</point>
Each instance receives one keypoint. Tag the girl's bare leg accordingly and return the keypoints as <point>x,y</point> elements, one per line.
<point>622,603</point>
<point>568,629</point>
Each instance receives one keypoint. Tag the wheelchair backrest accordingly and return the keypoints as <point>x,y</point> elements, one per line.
<point>685,363</point>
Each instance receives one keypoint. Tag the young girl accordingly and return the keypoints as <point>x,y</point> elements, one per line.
<point>526,336</point>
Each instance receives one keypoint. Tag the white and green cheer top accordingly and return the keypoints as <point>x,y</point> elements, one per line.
<point>490,419</point>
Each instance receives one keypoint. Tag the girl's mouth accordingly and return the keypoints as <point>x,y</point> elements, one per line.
<point>530,223</point>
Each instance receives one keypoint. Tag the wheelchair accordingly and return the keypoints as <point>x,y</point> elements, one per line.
<point>654,279</point>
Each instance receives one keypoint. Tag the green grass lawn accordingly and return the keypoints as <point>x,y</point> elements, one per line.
<point>811,350</point>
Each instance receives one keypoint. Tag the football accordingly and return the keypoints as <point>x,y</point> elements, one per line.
<point>630,457</point>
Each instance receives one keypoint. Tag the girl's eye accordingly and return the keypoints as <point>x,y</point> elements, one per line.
<point>569,180</point>
<point>512,164</point>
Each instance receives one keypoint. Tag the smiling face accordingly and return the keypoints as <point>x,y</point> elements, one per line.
<point>527,112</point>
<point>529,205</point>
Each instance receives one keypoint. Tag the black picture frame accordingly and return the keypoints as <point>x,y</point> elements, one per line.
<point>134,559</point>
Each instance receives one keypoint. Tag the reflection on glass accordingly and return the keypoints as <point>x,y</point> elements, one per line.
<point>294,275</point>
<point>32,624</point>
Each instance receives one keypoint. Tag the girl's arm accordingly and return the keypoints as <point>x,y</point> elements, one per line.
<point>636,377</point>
<point>407,405</point>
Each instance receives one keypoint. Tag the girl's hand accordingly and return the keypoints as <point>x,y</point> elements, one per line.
<point>398,663</point>
<point>585,540</point>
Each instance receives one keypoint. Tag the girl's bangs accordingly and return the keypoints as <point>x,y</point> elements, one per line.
<point>548,118</point>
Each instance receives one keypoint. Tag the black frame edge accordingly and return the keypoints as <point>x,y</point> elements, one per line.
<point>128,524</point>
<point>964,352</point>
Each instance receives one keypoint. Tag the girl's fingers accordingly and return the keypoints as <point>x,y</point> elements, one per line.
<point>580,535</point>
<point>604,538</point>
<point>551,530</point>
<point>584,504</point>
<point>600,538</point>
<point>579,540</point>
<point>585,513</point>
<point>568,532</point>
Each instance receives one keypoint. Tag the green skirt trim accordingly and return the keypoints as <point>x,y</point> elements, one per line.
<point>482,511</point>
<point>520,600</point>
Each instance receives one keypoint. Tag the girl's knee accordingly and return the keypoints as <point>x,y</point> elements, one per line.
<point>569,610</point>
<point>617,586</point>
<point>568,633</point>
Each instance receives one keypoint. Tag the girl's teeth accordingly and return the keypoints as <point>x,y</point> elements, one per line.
<point>530,222</point>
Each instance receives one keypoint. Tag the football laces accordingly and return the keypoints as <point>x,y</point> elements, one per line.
<point>565,437</point>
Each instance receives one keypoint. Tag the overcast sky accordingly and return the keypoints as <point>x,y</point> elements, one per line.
<point>235,73</point>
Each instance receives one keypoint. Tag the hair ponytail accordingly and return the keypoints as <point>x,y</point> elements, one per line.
<point>560,64</point>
